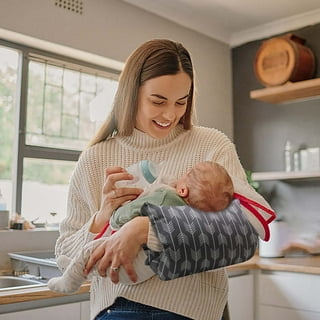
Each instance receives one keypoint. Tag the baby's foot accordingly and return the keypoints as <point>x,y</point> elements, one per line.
<point>65,284</point>
<point>63,262</point>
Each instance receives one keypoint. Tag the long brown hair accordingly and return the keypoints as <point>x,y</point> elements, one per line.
<point>152,59</point>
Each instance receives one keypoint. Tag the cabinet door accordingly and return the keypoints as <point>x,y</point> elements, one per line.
<point>241,301</point>
<point>62,312</point>
<point>85,310</point>
<point>269,312</point>
<point>290,290</point>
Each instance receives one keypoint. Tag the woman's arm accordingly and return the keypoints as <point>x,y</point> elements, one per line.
<point>229,159</point>
<point>91,200</point>
<point>120,249</point>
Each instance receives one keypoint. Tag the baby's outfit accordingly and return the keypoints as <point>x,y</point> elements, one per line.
<point>73,269</point>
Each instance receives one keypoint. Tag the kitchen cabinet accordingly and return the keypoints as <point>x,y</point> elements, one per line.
<point>288,295</point>
<point>71,311</point>
<point>241,296</point>
<point>85,310</point>
<point>268,313</point>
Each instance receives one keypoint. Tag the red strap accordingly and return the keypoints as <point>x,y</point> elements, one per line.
<point>101,233</point>
<point>249,204</point>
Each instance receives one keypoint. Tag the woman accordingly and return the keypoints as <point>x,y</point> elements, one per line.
<point>151,119</point>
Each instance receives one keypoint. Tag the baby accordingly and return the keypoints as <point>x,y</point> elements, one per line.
<point>207,187</point>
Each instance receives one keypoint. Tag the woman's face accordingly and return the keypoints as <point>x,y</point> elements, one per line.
<point>162,101</point>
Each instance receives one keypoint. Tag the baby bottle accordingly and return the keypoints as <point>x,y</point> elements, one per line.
<point>144,172</point>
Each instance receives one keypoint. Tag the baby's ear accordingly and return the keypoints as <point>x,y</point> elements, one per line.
<point>183,191</point>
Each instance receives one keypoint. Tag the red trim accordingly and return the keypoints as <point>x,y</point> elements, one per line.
<point>101,233</point>
<point>249,204</point>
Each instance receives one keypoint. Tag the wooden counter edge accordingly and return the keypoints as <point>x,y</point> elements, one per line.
<point>307,264</point>
<point>35,293</point>
<point>300,265</point>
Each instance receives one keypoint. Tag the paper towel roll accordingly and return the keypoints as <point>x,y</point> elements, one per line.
<point>278,238</point>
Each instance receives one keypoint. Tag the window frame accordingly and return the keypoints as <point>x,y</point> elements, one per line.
<point>21,150</point>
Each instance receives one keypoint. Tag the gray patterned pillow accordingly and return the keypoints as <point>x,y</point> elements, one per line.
<point>195,241</point>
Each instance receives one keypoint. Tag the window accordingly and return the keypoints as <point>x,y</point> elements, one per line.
<point>9,63</point>
<point>47,110</point>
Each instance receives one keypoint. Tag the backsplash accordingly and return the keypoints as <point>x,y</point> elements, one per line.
<point>297,203</point>
<point>21,240</point>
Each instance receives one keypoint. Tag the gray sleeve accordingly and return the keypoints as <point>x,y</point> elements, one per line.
<point>196,241</point>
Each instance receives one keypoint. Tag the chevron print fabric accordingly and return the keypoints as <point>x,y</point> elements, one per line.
<point>196,241</point>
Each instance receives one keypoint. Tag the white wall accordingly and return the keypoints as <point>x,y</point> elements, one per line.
<point>112,29</point>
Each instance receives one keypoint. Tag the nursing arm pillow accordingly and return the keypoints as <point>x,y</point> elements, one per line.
<point>195,241</point>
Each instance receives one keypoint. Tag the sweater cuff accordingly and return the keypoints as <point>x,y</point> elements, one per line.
<point>90,235</point>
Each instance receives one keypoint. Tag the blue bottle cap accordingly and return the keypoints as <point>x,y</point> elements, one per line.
<point>148,170</point>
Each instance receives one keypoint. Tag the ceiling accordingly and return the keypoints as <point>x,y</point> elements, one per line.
<point>236,21</point>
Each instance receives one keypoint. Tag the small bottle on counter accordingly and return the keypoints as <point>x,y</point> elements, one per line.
<point>4,213</point>
<point>288,156</point>
<point>3,204</point>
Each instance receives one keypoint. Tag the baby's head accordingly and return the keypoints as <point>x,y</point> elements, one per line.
<point>207,186</point>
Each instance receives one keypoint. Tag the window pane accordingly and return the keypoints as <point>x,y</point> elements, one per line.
<point>54,75</point>
<point>35,97</point>
<point>45,183</point>
<point>9,62</point>
<point>58,105</point>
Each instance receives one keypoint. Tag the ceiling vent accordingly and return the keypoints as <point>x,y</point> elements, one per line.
<point>71,5</point>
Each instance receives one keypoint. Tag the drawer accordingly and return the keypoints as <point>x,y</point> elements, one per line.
<point>267,313</point>
<point>290,290</point>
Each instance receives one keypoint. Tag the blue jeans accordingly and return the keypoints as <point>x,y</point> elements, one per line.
<point>124,309</point>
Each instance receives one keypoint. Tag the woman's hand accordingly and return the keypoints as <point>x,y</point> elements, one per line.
<point>120,249</point>
<point>113,197</point>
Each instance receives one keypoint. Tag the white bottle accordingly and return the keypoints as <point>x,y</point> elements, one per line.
<point>3,204</point>
<point>4,213</point>
<point>288,156</point>
<point>145,172</point>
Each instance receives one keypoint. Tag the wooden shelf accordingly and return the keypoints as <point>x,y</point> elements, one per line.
<point>291,91</point>
<point>297,175</point>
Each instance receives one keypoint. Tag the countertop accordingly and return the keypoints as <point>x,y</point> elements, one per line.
<point>35,293</point>
<point>306,264</point>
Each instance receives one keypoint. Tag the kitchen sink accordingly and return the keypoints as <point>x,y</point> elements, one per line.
<point>37,263</point>
<point>11,282</point>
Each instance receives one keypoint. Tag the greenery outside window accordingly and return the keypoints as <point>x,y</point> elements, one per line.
<point>9,64</point>
<point>45,102</point>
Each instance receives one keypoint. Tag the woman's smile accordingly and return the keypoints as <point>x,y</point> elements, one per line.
<point>162,102</point>
<point>162,124</point>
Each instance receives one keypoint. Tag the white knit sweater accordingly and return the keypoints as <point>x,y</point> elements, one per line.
<point>201,296</point>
